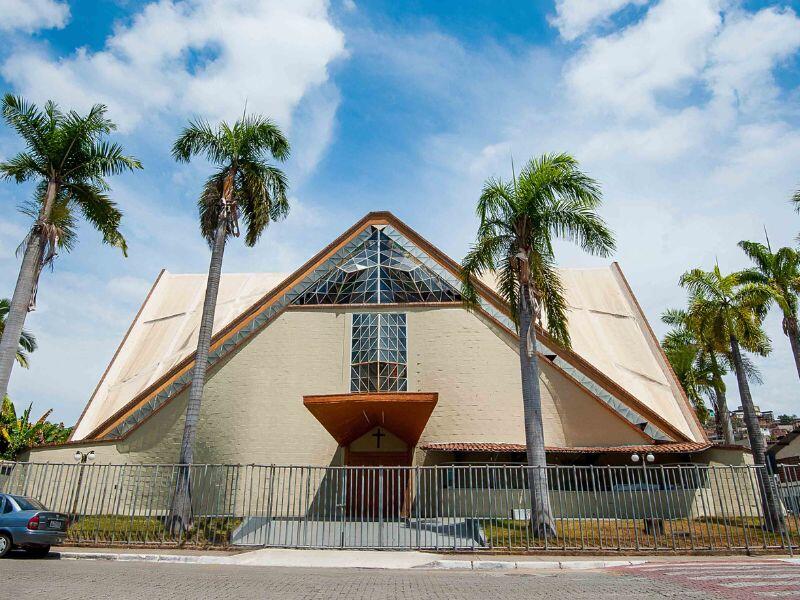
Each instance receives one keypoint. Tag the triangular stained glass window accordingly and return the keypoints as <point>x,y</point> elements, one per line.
<point>379,271</point>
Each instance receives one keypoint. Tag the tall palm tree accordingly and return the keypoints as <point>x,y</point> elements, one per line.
<point>27,341</point>
<point>244,182</point>
<point>778,274</point>
<point>68,156</point>
<point>519,219</point>
<point>735,310</point>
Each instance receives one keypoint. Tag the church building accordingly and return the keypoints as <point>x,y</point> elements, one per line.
<point>366,355</point>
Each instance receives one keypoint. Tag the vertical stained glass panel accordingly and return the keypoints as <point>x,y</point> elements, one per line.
<point>378,355</point>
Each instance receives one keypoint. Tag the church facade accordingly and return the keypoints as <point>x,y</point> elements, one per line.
<point>366,355</point>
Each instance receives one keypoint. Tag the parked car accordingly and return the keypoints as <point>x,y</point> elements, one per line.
<point>25,523</point>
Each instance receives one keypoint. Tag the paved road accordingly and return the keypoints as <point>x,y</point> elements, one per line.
<point>22,578</point>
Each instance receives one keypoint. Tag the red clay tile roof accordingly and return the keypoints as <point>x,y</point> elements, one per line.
<point>678,448</point>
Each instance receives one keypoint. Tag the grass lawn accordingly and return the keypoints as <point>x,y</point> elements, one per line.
<point>682,534</point>
<point>105,529</point>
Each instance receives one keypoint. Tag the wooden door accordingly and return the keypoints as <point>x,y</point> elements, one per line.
<point>374,492</point>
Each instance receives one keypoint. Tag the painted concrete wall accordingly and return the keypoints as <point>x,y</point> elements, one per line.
<point>253,409</point>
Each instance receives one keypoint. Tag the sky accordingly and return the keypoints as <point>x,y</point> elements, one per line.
<point>686,111</point>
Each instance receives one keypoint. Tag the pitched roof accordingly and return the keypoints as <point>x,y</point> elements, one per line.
<point>778,445</point>
<point>164,332</point>
<point>154,361</point>
<point>677,448</point>
<point>610,331</point>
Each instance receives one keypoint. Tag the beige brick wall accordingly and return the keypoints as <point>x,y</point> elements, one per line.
<point>253,405</point>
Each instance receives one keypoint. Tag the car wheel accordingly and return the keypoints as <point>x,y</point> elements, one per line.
<point>5,544</point>
<point>39,551</point>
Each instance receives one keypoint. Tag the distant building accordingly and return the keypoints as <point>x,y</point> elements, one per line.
<point>785,451</point>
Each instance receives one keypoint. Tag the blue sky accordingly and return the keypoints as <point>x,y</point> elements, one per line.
<point>686,111</point>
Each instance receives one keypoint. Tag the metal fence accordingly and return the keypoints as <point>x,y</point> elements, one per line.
<point>454,507</point>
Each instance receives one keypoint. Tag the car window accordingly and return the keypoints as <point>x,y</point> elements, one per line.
<point>5,506</point>
<point>28,503</point>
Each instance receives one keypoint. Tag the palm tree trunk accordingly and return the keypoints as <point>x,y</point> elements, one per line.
<point>721,413</point>
<point>791,333</point>
<point>203,347</point>
<point>23,291</point>
<point>773,516</point>
<point>541,513</point>
<point>181,509</point>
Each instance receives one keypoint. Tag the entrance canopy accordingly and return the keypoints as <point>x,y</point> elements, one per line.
<point>349,416</point>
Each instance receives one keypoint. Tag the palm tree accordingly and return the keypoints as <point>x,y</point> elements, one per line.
<point>779,275</point>
<point>519,219</point>
<point>691,366</point>
<point>27,341</point>
<point>244,182</point>
<point>734,310</point>
<point>69,158</point>
<point>710,362</point>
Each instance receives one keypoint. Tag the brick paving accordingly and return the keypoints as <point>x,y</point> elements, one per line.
<point>71,580</point>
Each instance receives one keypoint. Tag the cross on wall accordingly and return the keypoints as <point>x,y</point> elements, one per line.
<point>378,435</point>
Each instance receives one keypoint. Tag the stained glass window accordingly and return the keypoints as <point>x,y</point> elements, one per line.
<point>379,272</point>
<point>378,357</point>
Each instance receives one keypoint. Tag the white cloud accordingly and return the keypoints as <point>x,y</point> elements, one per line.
<point>313,128</point>
<point>624,72</point>
<point>745,52</point>
<point>653,67</point>
<point>575,17</point>
<point>193,57</point>
<point>30,15</point>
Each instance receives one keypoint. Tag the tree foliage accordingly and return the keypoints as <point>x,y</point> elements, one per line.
<point>241,150</point>
<point>69,150</point>
<point>728,306</point>
<point>520,219</point>
<point>777,276</point>
<point>18,433</point>
<point>691,362</point>
<point>27,341</point>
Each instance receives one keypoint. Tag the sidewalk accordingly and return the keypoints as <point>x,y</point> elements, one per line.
<point>372,559</point>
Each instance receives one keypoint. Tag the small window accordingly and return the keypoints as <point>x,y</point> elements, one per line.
<point>5,506</point>
<point>378,358</point>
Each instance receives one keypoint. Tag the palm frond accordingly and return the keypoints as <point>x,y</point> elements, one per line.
<point>22,167</point>
<point>28,121</point>
<point>199,139</point>
<point>261,194</point>
<point>484,257</point>
<point>27,341</point>
<point>100,211</point>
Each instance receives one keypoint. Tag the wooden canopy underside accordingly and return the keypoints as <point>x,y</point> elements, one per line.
<point>349,416</point>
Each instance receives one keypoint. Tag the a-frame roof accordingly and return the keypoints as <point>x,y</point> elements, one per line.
<point>659,407</point>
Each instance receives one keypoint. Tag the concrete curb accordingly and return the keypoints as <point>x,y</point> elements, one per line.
<point>128,557</point>
<point>446,564</point>
<point>529,565</point>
